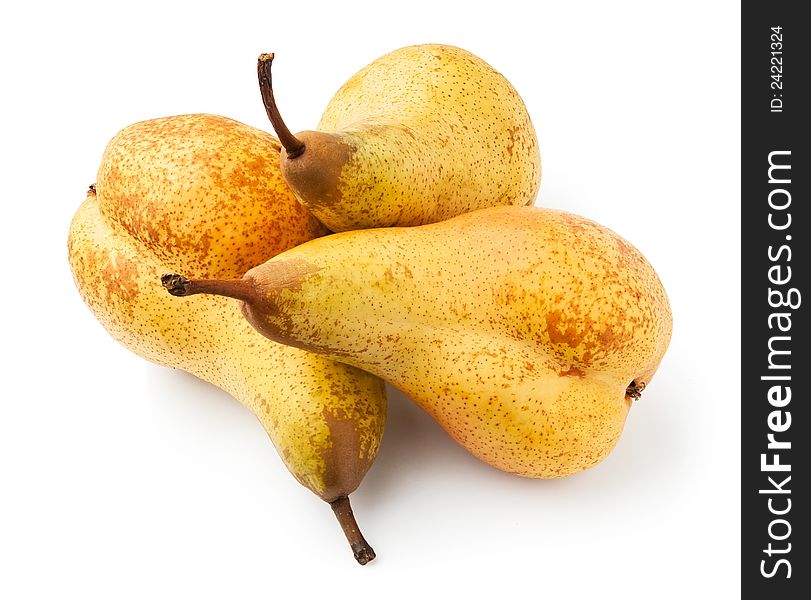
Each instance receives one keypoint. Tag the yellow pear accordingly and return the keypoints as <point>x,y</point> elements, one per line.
<point>204,193</point>
<point>420,135</point>
<point>525,332</point>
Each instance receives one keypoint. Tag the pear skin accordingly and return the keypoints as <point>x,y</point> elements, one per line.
<point>526,333</point>
<point>201,191</point>
<point>420,135</point>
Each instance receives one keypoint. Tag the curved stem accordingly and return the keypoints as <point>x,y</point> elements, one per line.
<point>240,289</point>
<point>360,547</point>
<point>291,143</point>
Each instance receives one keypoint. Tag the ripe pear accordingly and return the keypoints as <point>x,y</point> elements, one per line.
<point>525,332</point>
<point>420,135</point>
<point>201,192</point>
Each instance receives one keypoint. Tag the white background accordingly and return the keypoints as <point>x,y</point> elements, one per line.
<point>121,479</point>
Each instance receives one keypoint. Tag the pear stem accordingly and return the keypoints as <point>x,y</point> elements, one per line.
<point>240,289</point>
<point>291,143</point>
<point>360,547</point>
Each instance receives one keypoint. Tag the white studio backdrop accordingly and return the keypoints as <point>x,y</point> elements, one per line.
<point>122,479</point>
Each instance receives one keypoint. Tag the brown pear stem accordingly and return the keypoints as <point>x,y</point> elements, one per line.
<point>291,143</point>
<point>360,547</point>
<point>241,289</point>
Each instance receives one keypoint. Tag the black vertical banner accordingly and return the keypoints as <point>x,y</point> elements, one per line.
<point>776,546</point>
